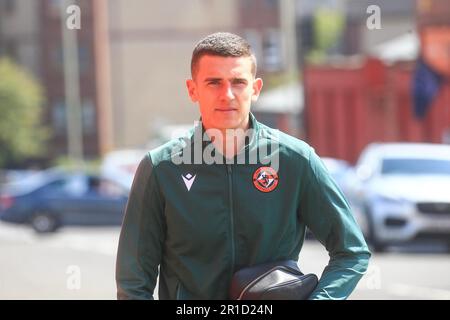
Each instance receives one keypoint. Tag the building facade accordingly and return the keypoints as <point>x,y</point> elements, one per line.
<point>133,60</point>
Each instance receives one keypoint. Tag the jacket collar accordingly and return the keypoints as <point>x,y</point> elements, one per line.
<point>199,138</point>
<point>199,132</point>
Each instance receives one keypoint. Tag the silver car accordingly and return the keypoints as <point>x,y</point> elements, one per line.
<point>404,192</point>
<point>345,177</point>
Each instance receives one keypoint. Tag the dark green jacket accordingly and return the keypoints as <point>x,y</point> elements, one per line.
<point>201,236</point>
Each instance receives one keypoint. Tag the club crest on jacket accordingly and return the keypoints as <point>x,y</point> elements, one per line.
<point>265,179</point>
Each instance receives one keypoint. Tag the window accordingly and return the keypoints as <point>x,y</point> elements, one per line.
<point>105,188</point>
<point>54,186</point>
<point>254,38</point>
<point>7,5</point>
<point>415,166</point>
<point>84,58</point>
<point>272,50</point>
<point>57,58</point>
<point>88,116</point>
<point>271,3</point>
<point>59,117</point>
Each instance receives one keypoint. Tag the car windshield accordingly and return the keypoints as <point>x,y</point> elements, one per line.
<point>415,166</point>
<point>33,182</point>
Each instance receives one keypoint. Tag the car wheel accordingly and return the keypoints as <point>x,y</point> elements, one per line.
<point>44,222</point>
<point>377,245</point>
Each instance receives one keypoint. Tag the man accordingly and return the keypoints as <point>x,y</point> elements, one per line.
<point>200,222</point>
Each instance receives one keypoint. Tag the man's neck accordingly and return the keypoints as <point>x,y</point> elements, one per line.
<point>229,141</point>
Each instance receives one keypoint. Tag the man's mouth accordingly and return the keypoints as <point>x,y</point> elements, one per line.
<point>225,109</point>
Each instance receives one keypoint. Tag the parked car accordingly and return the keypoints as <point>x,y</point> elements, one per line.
<point>339,170</point>
<point>345,177</point>
<point>54,198</point>
<point>121,165</point>
<point>10,176</point>
<point>404,192</point>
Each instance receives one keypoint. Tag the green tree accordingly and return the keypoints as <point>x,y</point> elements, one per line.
<point>21,99</point>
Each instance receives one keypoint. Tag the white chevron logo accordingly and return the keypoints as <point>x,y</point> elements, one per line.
<point>188,180</point>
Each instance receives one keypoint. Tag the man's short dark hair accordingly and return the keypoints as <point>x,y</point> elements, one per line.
<point>223,44</point>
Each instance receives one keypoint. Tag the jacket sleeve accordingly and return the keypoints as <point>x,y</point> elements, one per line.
<point>141,237</point>
<point>328,215</point>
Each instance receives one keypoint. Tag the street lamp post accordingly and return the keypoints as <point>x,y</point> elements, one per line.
<point>288,24</point>
<point>72,89</point>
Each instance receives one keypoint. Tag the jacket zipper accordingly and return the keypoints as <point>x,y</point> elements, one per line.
<point>178,292</point>
<point>230,197</point>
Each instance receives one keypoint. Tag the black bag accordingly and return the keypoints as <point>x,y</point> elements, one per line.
<point>281,280</point>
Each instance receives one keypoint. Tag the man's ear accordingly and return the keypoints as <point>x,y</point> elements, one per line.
<point>257,86</point>
<point>192,90</point>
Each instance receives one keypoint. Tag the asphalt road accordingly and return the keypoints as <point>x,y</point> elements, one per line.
<point>78,263</point>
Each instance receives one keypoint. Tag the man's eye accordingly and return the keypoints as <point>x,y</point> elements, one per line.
<point>213,83</point>
<point>240,82</point>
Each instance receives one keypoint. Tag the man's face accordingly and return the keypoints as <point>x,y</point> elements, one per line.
<point>224,88</point>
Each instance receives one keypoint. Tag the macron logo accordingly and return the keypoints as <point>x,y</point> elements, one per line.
<point>188,180</point>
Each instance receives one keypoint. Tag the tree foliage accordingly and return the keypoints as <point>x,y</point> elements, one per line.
<point>22,134</point>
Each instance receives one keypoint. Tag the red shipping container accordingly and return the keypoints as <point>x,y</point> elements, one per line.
<point>351,105</point>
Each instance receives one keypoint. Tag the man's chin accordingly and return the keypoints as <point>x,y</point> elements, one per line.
<point>230,124</point>
<point>223,122</point>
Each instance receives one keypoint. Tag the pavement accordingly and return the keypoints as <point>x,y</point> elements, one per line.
<point>79,263</point>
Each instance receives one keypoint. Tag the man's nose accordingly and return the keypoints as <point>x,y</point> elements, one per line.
<point>227,92</point>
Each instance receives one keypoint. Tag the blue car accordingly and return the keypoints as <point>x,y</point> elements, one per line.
<point>53,199</point>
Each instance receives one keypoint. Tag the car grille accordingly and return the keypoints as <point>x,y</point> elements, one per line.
<point>434,207</point>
